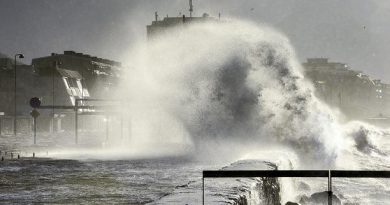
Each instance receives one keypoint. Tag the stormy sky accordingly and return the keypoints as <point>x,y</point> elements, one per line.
<point>356,32</point>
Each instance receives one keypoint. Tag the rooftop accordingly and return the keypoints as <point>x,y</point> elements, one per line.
<point>86,56</point>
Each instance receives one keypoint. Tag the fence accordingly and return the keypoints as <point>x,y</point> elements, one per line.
<point>23,125</point>
<point>294,173</point>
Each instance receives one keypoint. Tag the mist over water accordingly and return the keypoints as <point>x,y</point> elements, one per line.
<point>226,89</point>
<point>216,95</point>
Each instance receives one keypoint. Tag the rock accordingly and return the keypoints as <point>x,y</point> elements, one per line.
<point>303,187</point>
<point>304,199</point>
<point>242,200</point>
<point>320,198</point>
<point>291,203</point>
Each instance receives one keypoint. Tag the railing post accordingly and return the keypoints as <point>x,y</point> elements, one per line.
<point>330,194</point>
<point>203,190</point>
<point>35,129</point>
<point>107,127</point>
<point>295,173</point>
<point>76,110</point>
<point>121,126</point>
<point>129,127</point>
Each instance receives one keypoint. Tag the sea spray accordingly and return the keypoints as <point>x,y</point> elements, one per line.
<point>228,91</point>
<point>222,82</point>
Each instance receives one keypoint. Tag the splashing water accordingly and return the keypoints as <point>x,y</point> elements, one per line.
<point>212,84</point>
<point>234,90</point>
<point>229,92</point>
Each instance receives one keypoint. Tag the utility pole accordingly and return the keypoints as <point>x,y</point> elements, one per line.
<point>20,56</point>
<point>52,95</point>
<point>191,8</point>
<point>76,124</point>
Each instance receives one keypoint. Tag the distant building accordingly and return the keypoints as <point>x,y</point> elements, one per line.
<point>352,91</point>
<point>58,79</point>
<point>159,27</point>
<point>83,76</point>
<point>382,91</point>
<point>28,84</point>
<point>6,63</point>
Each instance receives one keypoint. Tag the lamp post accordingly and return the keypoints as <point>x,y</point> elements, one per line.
<point>19,55</point>
<point>52,95</point>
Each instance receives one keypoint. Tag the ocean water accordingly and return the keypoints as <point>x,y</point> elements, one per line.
<point>102,182</point>
<point>168,180</point>
<point>156,181</point>
<point>220,95</point>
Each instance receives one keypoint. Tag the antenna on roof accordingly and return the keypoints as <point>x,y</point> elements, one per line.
<point>155,16</point>
<point>191,8</point>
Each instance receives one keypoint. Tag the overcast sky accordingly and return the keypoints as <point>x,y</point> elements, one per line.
<point>356,32</point>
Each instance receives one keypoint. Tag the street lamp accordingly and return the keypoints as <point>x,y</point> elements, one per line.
<point>19,55</point>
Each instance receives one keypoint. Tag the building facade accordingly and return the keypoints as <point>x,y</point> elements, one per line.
<point>83,76</point>
<point>58,79</point>
<point>163,26</point>
<point>356,94</point>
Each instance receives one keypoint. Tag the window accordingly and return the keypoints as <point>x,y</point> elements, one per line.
<point>72,82</point>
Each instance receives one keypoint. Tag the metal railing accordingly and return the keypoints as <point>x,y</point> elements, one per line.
<point>78,108</point>
<point>294,173</point>
<point>23,123</point>
<point>106,110</point>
